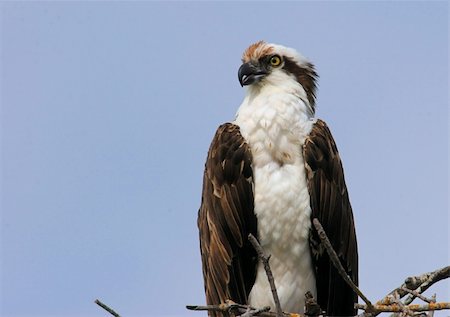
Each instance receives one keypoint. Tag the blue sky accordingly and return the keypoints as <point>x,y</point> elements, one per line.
<point>108,109</point>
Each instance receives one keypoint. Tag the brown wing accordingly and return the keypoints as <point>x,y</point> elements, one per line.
<point>331,205</point>
<point>226,217</point>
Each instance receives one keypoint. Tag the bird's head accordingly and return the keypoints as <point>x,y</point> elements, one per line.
<point>272,64</point>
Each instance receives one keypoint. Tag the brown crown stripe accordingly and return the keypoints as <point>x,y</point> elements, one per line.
<point>256,51</point>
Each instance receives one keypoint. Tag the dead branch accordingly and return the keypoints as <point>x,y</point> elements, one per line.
<point>431,279</point>
<point>406,311</point>
<point>414,286</point>
<point>417,294</point>
<point>419,284</point>
<point>337,263</point>
<point>255,312</point>
<point>394,308</point>
<point>433,300</point>
<point>107,308</point>
<point>265,261</point>
<point>312,308</point>
<point>236,309</point>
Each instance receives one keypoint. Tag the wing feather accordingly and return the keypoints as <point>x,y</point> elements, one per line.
<point>331,205</point>
<point>226,217</point>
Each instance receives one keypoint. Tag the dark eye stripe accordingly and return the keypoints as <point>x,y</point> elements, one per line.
<point>306,75</point>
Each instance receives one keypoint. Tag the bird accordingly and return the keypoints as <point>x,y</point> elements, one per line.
<point>269,172</point>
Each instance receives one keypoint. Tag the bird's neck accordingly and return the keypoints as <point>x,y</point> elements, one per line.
<point>275,122</point>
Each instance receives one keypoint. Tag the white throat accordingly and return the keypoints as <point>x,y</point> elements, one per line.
<point>275,120</point>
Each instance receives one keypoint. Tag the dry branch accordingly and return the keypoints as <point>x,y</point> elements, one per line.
<point>432,278</point>
<point>417,294</point>
<point>414,286</point>
<point>419,284</point>
<point>394,308</point>
<point>337,264</point>
<point>406,311</point>
<point>107,308</point>
<point>236,309</point>
<point>312,308</point>
<point>265,261</point>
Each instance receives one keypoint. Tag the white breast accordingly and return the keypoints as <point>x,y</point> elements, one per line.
<point>275,124</point>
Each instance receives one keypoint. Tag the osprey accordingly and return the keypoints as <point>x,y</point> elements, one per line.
<point>269,173</point>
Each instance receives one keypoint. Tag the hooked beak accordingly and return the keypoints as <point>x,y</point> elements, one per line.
<point>250,73</point>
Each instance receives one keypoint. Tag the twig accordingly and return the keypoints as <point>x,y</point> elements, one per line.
<point>335,259</point>
<point>420,283</point>
<point>220,308</point>
<point>416,294</point>
<point>265,260</point>
<point>433,277</point>
<point>433,300</point>
<point>413,307</point>
<point>387,300</point>
<point>311,306</point>
<point>255,312</point>
<point>406,311</point>
<point>237,309</point>
<point>107,308</point>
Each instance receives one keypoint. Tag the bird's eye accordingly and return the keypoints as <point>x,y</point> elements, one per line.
<point>275,61</point>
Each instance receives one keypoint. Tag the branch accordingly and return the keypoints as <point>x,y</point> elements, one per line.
<point>255,312</point>
<point>311,306</point>
<point>236,309</point>
<point>337,264</point>
<point>394,308</point>
<point>431,278</point>
<point>406,311</point>
<point>417,294</point>
<point>415,285</point>
<point>433,300</point>
<point>265,260</point>
<point>107,308</point>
